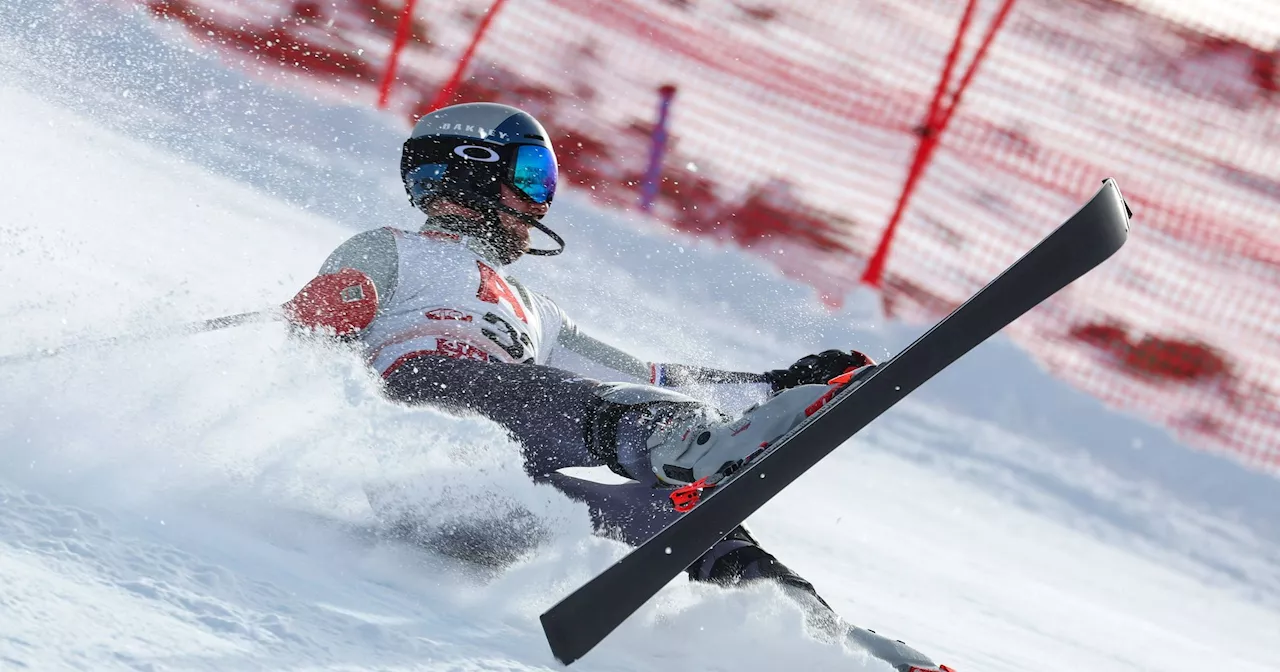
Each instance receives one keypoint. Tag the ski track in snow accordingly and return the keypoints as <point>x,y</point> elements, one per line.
<point>196,503</point>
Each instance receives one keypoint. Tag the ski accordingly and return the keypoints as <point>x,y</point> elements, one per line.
<point>585,617</point>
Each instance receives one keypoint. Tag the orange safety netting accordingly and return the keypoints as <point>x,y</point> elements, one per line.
<point>796,124</point>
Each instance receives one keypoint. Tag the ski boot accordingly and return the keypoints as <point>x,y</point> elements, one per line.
<point>702,446</point>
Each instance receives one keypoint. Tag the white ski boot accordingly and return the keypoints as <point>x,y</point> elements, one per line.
<point>703,444</point>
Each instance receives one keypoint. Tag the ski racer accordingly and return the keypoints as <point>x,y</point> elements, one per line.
<point>440,321</point>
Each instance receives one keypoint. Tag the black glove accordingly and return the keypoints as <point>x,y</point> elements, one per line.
<point>816,369</point>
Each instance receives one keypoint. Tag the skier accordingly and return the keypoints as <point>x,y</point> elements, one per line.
<point>435,315</point>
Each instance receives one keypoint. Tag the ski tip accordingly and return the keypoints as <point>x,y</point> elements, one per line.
<point>1128,211</point>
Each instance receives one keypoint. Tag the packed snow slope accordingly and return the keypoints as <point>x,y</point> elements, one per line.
<point>196,502</point>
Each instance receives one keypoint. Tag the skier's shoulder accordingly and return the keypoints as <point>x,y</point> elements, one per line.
<point>387,241</point>
<point>371,252</point>
<point>374,242</point>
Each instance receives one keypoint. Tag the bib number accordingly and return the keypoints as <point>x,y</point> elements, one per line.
<point>511,341</point>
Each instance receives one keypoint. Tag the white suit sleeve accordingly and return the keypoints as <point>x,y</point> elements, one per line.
<point>578,352</point>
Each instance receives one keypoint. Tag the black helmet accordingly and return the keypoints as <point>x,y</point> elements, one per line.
<point>465,153</point>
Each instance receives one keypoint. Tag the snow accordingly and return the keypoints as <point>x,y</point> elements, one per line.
<point>197,503</point>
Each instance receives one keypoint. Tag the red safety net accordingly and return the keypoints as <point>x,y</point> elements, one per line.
<point>796,125</point>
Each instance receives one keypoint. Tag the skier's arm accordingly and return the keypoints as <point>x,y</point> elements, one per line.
<point>620,366</point>
<point>343,298</point>
<point>811,369</point>
<point>599,352</point>
<point>654,373</point>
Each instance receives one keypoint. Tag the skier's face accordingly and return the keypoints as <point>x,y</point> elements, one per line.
<point>516,230</point>
<point>511,239</point>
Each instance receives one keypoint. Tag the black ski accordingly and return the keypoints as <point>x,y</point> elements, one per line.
<point>585,617</point>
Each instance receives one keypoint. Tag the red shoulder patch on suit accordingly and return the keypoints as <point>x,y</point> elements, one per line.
<point>344,303</point>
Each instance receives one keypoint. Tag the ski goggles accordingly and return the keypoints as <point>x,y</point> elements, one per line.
<point>534,172</point>
<point>529,169</point>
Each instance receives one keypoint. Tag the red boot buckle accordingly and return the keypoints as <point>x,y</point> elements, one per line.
<point>687,496</point>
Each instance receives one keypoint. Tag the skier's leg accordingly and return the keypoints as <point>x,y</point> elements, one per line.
<point>561,419</point>
<point>564,420</point>
<point>628,512</point>
<point>738,559</point>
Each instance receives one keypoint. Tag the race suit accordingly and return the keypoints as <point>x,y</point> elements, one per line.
<point>452,330</point>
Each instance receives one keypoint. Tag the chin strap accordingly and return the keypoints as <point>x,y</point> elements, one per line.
<point>534,223</point>
<point>489,211</point>
<point>550,234</point>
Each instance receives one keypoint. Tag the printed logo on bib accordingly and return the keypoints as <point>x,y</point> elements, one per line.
<point>448,314</point>
<point>460,350</point>
<point>493,289</point>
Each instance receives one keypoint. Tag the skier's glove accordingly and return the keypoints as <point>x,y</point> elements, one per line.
<point>340,304</point>
<point>816,369</point>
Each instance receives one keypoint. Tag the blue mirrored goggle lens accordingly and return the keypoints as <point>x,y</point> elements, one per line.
<point>425,179</point>
<point>534,173</point>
